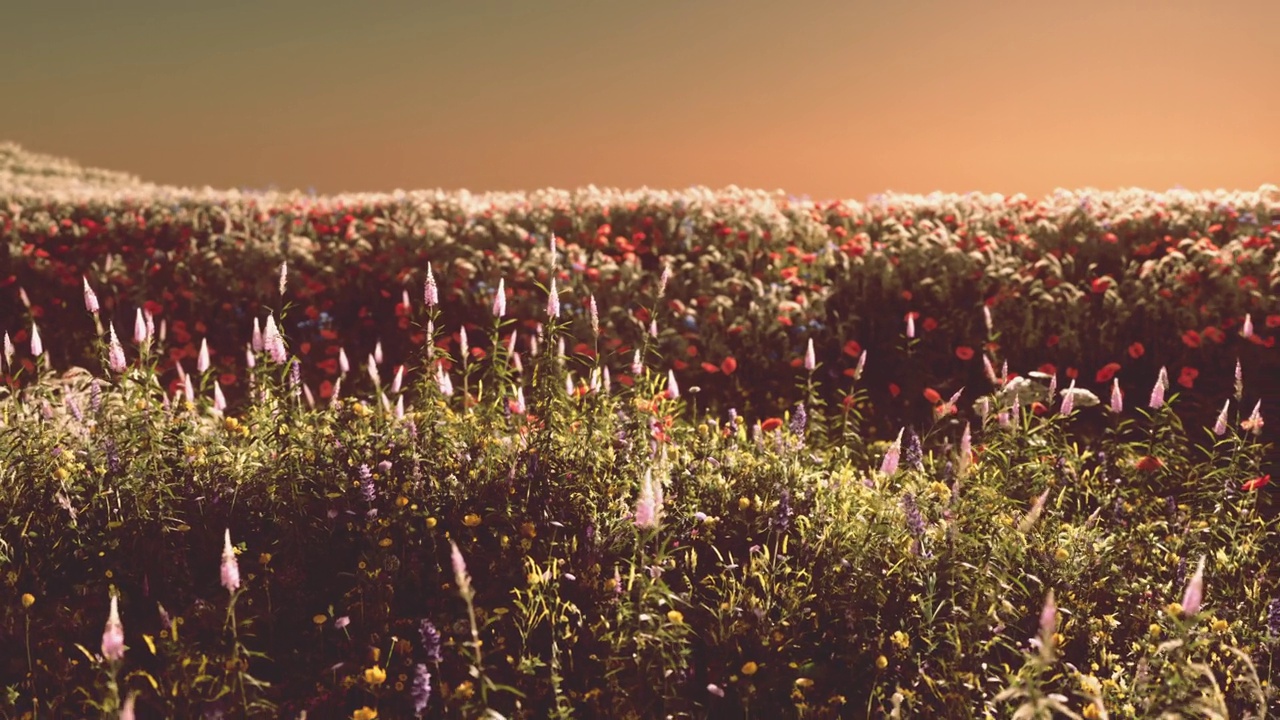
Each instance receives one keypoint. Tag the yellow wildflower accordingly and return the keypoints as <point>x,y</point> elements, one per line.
<point>882,662</point>
<point>675,616</point>
<point>375,676</point>
<point>28,600</point>
<point>749,668</point>
<point>365,713</point>
<point>471,520</point>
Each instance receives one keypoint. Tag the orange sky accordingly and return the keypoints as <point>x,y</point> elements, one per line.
<point>826,98</point>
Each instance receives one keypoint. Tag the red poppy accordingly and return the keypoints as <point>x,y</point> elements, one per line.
<point>1136,350</point>
<point>710,367</point>
<point>1215,334</point>
<point>1273,321</point>
<point>1187,377</point>
<point>1191,339</point>
<point>1051,341</point>
<point>728,366</point>
<point>852,348</point>
<point>771,424</point>
<point>1256,483</point>
<point>894,390</point>
<point>1107,372</point>
<point>679,364</point>
<point>932,396</point>
<point>691,351</point>
<point>929,324</point>
<point>1148,463</point>
<point>964,352</point>
<point>1048,369</point>
<point>1071,373</point>
<point>1100,285</point>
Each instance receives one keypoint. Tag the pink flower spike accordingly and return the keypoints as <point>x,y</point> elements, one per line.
<point>202,361</point>
<point>595,317</point>
<point>250,359</point>
<point>1068,400</point>
<point>115,352</point>
<point>397,380</point>
<point>37,345</point>
<point>500,299</point>
<point>889,465</point>
<point>862,363</point>
<point>673,390</point>
<point>377,352</point>
<point>1220,426</point>
<point>8,350</point>
<point>911,325</point>
<point>1193,597</point>
<point>284,276</point>
<point>1254,422</point>
<point>462,344</point>
<point>344,365</point>
<point>1117,399</point>
<point>373,371</point>
<point>256,343</point>
<point>553,300</point>
<point>113,634</point>
<point>90,300</point>
<point>219,400</point>
<point>1157,395</point>
<point>460,576</point>
<point>810,360</point>
<point>1247,329</point>
<point>966,451</point>
<point>1239,381</point>
<point>230,568</point>
<point>637,366</point>
<point>430,293</point>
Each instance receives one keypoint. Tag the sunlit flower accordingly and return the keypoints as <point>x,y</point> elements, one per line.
<point>889,465</point>
<point>37,347</point>
<point>1220,427</point>
<point>115,352</point>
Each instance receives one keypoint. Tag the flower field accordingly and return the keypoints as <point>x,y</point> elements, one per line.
<point>634,454</point>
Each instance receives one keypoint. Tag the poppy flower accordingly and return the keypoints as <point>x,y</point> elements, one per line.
<point>1107,372</point>
<point>1273,321</point>
<point>1187,377</point>
<point>1215,334</point>
<point>1051,341</point>
<point>1191,339</point>
<point>1100,285</point>
<point>728,366</point>
<point>771,424</point>
<point>1048,369</point>
<point>852,348</point>
<point>1148,463</point>
<point>1256,483</point>
<point>932,396</point>
<point>894,390</point>
<point>1136,350</point>
<point>964,352</point>
<point>710,367</point>
<point>929,324</point>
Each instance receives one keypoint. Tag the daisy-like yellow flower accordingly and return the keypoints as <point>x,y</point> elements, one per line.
<point>365,713</point>
<point>675,616</point>
<point>471,520</point>
<point>28,600</point>
<point>750,668</point>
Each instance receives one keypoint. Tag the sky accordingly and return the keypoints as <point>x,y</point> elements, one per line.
<point>824,98</point>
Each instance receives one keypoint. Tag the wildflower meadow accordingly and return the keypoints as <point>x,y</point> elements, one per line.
<point>609,454</point>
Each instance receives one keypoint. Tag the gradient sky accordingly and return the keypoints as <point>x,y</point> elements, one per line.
<point>826,98</point>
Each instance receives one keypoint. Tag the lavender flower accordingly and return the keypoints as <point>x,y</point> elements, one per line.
<point>915,521</point>
<point>367,489</point>
<point>912,453</point>
<point>799,419</point>
<point>421,690</point>
<point>431,644</point>
<point>782,515</point>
